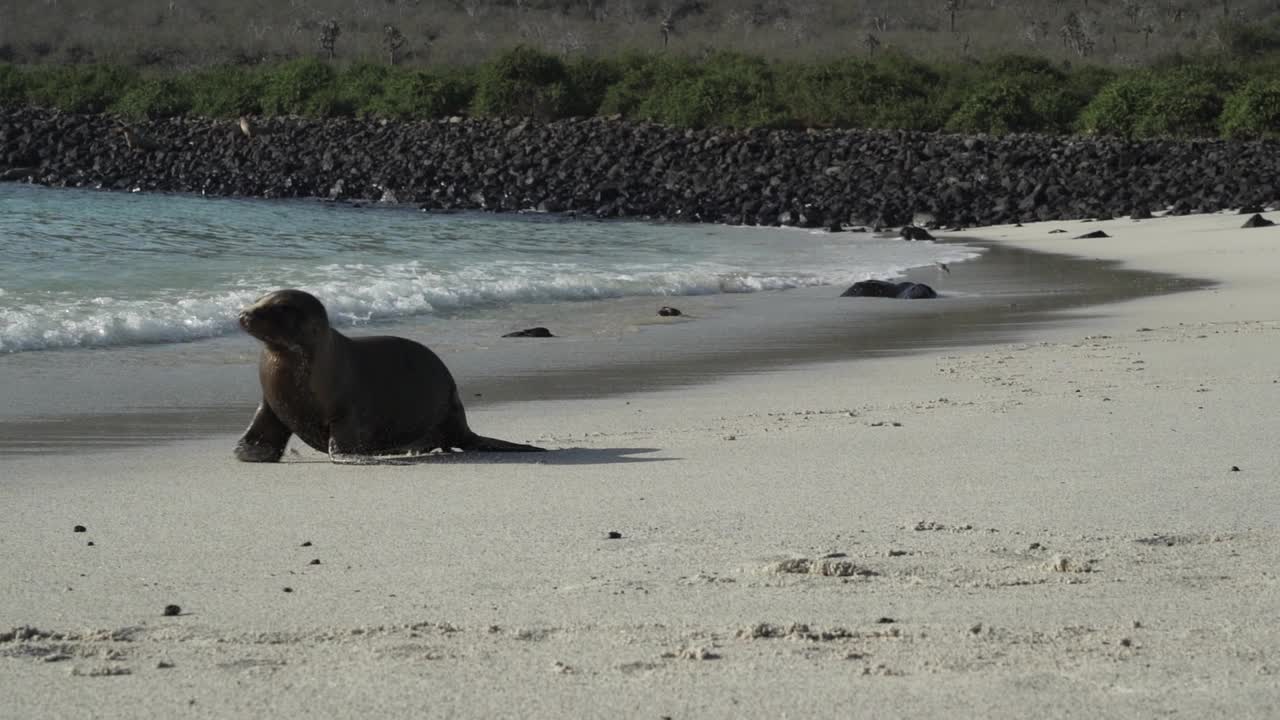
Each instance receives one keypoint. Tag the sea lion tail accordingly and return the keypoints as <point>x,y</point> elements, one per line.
<point>480,443</point>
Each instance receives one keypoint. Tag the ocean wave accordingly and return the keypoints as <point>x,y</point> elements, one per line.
<point>360,294</point>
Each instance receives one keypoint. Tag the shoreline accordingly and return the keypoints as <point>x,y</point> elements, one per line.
<point>1078,522</point>
<point>993,298</point>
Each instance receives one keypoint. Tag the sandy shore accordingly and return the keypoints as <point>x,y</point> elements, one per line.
<point>1053,528</point>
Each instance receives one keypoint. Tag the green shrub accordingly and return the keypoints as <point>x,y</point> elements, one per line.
<point>1179,102</point>
<point>156,98</point>
<point>1253,111</point>
<point>999,107</point>
<point>79,88</point>
<point>301,87</point>
<point>226,91</point>
<point>522,82</point>
<point>13,86</point>
<point>420,95</point>
<point>361,87</point>
<point>728,90</point>
<point>641,77</point>
<point>589,80</point>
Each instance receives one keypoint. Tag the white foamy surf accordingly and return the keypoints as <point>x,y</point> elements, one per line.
<point>101,270</point>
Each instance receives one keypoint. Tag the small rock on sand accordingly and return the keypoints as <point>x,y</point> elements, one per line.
<point>1092,235</point>
<point>172,610</point>
<point>1257,221</point>
<point>79,528</point>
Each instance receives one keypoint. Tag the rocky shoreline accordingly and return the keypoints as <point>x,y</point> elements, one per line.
<point>611,168</point>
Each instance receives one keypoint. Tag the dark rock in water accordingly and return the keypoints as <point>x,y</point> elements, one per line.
<point>1140,214</point>
<point>885,289</point>
<point>911,232</point>
<point>1091,235</point>
<point>1257,221</point>
<point>536,332</point>
<point>668,311</point>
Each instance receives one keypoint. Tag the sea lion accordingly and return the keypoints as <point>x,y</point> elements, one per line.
<point>349,397</point>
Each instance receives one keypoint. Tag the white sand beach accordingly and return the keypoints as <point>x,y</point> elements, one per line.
<point>1082,524</point>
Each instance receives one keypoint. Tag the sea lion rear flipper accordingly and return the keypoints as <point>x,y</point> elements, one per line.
<point>480,443</point>
<point>265,438</point>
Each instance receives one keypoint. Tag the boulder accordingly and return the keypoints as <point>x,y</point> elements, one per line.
<point>886,289</point>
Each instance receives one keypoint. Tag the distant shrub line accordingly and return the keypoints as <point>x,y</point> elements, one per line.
<point>1183,97</point>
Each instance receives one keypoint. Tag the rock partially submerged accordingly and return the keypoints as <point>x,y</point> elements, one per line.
<point>534,332</point>
<point>911,232</point>
<point>885,289</point>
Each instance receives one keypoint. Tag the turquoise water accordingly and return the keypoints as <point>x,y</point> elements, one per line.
<point>94,269</point>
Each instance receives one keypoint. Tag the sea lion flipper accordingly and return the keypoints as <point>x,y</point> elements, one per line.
<point>480,443</point>
<point>265,439</point>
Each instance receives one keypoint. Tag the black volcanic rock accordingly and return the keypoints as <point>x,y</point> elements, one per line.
<point>885,289</point>
<point>1092,235</point>
<point>911,232</point>
<point>610,168</point>
<point>535,332</point>
<point>1257,221</point>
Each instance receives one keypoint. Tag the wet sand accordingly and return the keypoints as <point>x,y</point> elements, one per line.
<point>75,401</point>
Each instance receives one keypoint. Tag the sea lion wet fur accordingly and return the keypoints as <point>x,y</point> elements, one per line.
<point>349,397</point>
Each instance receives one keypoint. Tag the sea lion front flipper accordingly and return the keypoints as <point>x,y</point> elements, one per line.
<point>265,439</point>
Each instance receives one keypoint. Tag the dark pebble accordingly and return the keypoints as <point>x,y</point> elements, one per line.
<point>79,528</point>
<point>314,562</point>
<point>306,544</point>
<point>172,610</point>
<point>886,621</point>
<point>90,543</point>
<point>1235,468</point>
<point>1091,235</point>
<point>288,589</point>
<point>667,311</point>
<point>614,535</point>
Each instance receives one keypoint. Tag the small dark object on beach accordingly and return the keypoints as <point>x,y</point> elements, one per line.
<point>668,311</point>
<point>172,610</point>
<point>1257,221</point>
<point>537,332</point>
<point>314,562</point>
<point>89,544</point>
<point>288,589</point>
<point>613,535</point>
<point>885,289</point>
<point>1235,468</point>
<point>79,528</point>
<point>886,621</point>
<point>1056,232</point>
<point>1091,235</point>
<point>1140,214</point>
<point>911,232</point>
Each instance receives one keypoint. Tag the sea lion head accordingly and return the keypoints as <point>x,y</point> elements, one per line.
<point>289,320</point>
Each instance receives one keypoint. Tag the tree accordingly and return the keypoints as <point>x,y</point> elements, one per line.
<point>871,43</point>
<point>329,33</point>
<point>392,40</point>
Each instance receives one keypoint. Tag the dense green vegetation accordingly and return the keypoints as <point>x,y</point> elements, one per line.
<point>1179,97</point>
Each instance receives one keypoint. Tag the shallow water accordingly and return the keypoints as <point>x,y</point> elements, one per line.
<point>86,269</point>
